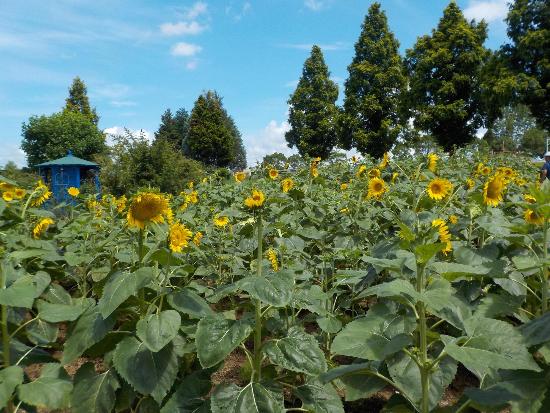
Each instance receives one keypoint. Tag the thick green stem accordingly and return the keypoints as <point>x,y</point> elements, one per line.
<point>141,293</point>
<point>545,270</point>
<point>257,367</point>
<point>423,344</point>
<point>5,335</point>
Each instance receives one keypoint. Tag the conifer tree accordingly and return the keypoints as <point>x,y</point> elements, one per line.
<point>444,69</point>
<point>370,119</point>
<point>313,111</point>
<point>78,101</point>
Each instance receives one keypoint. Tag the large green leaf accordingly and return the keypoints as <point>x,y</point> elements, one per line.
<point>406,374</point>
<point>537,331</point>
<point>40,332</point>
<point>253,398</point>
<point>23,291</point>
<point>216,337</point>
<point>90,328</point>
<point>298,352</point>
<point>10,378</point>
<point>120,286</point>
<point>148,372</point>
<point>396,288</point>
<point>441,300</point>
<point>188,302</point>
<point>383,331</point>
<point>190,393</point>
<point>320,398</point>
<point>157,330</point>
<point>359,379</point>
<point>52,390</point>
<point>94,393</point>
<point>55,313</point>
<point>275,290</point>
<point>489,345</point>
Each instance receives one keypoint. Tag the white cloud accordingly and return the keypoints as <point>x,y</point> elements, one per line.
<point>237,13</point>
<point>182,28</point>
<point>196,10</point>
<point>270,139</point>
<point>314,5</point>
<point>120,130</point>
<point>491,10</point>
<point>12,152</point>
<point>185,49</point>
<point>324,47</point>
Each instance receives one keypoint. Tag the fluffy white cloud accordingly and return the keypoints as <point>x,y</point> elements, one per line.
<point>196,10</point>
<point>12,152</point>
<point>270,139</point>
<point>185,49</point>
<point>181,28</point>
<point>120,130</point>
<point>491,10</point>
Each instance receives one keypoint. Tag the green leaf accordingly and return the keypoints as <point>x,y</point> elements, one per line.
<point>25,355</point>
<point>275,290</point>
<point>120,286</point>
<point>501,304</point>
<point>359,379</point>
<point>52,390</point>
<point>157,330</point>
<point>188,302</point>
<point>40,332</point>
<point>89,329</point>
<point>383,331</point>
<point>425,253</point>
<point>147,372</point>
<point>94,393</point>
<point>216,337</point>
<point>253,398</point>
<point>406,374</point>
<point>395,288</point>
<point>490,344</point>
<point>24,290</point>
<point>55,313</point>
<point>298,352</point>
<point>10,378</point>
<point>329,324</point>
<point>320,398</point>
<point>441,300</point>
<point>189,395</point>
<point>536,331</point>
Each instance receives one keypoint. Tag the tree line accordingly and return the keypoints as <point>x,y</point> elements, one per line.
<point>445,88</point>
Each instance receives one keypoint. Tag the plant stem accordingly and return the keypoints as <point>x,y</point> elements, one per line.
<point>423,343</point>
<point>257,367</point>
<point>141,293</point>
<point>5,335</point>
<point>545,270</point>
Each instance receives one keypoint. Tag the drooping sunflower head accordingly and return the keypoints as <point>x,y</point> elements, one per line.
<point>273,173</point>
<point>287,184</point>
<point>374,173</point>
<point>470,183</point>
<point>41,227</point>
<point>147,207</point>
<point>394,177</point>
<point>40,194</point>
<point>178,237</point>
<point>439,188</point>
<point>221,221</point>
<point>272,257</point>
<point>533,217</point>
<point>529,198</point>
<point>385,161</point>
<point>313,171</point>
<point>432,161</point>
<point>240,176</point>
<point>444,235</point>
<point>377,187</point>
<point>362,171</point>
<point>74,192</point>
<point>255,200</point>
<point>493,189</point>
<point>197,238</point>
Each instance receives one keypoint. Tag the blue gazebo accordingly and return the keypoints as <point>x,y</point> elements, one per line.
<point>63,173</point>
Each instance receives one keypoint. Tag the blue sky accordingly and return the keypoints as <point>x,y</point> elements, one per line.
<point>140,57</point>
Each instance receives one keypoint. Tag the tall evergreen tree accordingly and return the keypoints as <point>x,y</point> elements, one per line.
<point>210,138</point>
<point>239,162</point>
<point>444,69</point>
<point>78,101</point>
<point>173,128</point>
<point>313,111</point>
<point>529,53</point>
<point>370,120</point>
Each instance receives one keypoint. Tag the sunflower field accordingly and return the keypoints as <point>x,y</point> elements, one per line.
<point>396,285</point>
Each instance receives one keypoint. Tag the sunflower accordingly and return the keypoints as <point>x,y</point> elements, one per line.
<point>190,184</point>
<point>239,176</point>
<point>492,191</point>
<point>221,221</point>
<point>507,173</point>
<point>529,198</point>
<point>4,186</point>
<point>8,196</point>
<point>273,173</point>
<point>439,188</point>
<point>485,170</point>
<point>394,177</point>
<point>444,235</point>
<point>272,257</point>
<point>432,161</point>
<point>192,198</point>
<point>313,170</point>
<point>256,200</point>
<point>344,211</point>
<point>385,161</point>
<point>197,238</point>
<point>470,183</point>
<point>19,193</point>
<point>533,217</point>
<point>354,159</point>
<point>204,180</point>
<point>148,207</point>
<point>374,173</point>
<point>178,237</point>
<point>121,204</point>
<point>343,186</point>
<point>287,184</point>
<point>453,219</point>
<point>42,194</point>
<point>377,187</point>
<point>74,192</point>
<point>520,182</point>
<point>41,227</point>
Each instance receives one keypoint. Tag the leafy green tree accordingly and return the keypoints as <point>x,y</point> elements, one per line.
<point>211,139</point>
<point>444,89</point>
<point>313,111</point>
<point>50,137</point>
<point>174,128</point>
<point>370,120</point>
<point>529,53</point>
<point>239,162</point>
<point>78,101</point>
